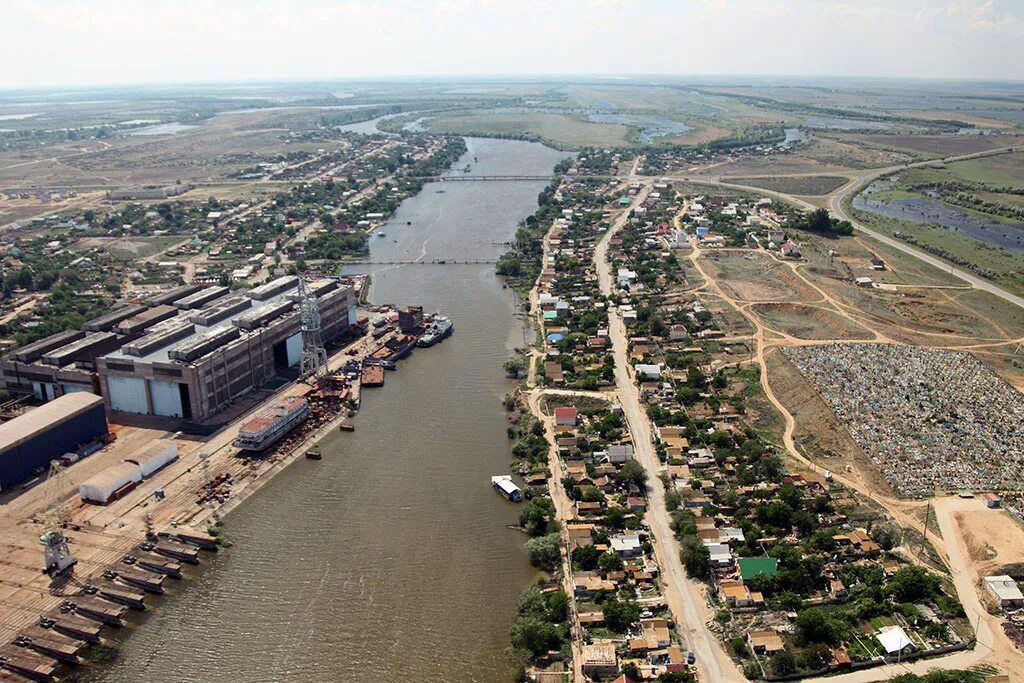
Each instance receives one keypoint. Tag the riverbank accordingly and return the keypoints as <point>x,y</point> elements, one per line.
<point>338,551</point>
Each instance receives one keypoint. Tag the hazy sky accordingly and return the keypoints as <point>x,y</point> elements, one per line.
<point>121,41</point>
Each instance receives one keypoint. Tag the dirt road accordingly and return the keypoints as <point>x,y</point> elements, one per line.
<point>684,597</point>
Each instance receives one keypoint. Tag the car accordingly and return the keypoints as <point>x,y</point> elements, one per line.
<point>691,658</point>
<point>646,614</point>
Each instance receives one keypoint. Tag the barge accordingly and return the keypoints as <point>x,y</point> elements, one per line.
<point>272,425</point>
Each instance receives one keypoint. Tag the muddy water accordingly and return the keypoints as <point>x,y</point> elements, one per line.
<point>389,560</point>
<point>1009,236</point>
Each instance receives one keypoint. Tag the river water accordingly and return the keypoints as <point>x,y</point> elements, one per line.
<point>390,559</point>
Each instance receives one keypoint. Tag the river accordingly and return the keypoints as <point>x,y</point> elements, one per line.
<point>390,559</point>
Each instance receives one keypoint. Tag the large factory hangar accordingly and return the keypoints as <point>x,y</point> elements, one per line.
<point>30,441</point>
<point>186,354</point>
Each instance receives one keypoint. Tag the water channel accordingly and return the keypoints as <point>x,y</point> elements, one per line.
<point>390,559</point>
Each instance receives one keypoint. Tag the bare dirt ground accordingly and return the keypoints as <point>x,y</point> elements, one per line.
<point>808,322</point>
<point>993,539</point>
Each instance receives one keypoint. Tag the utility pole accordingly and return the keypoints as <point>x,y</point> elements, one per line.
<point>924,536</point>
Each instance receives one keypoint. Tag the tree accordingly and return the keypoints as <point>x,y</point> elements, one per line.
<point>545,551</point>
<point>620,615</point>
<point>911,584</point>
<point>695,557</point>
<point>586,557</point>
<point>534,635</point>
<point>815,627</point>
<point>632,472</point>
<point>783,663</point>
<point>815,657</point>
<point>535,516</point>
<point>609,562</point>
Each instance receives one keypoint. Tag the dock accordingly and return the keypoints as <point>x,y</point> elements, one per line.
<point>75,626</point>
<point>157,563</point>
<point>148,581</point>
<point>24,662</point>
<point>99,610</point>
<point>177,551</point>
<point>51,644</point>
<point>124,596</point>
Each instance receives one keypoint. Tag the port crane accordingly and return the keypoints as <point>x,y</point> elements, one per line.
<point>57,556</point>
<point>313,363</point>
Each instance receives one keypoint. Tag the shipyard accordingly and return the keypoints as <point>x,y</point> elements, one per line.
<point>102,508</point>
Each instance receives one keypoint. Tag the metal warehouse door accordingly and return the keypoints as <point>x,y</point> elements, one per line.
<point>166,398</point>
<point>127,394</point>
<point>294,346</point>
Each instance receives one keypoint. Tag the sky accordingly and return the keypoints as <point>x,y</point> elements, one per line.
<point>87,42</point>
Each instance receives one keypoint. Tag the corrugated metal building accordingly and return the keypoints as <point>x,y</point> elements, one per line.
<point>171,360</point>
<point>34,439</point>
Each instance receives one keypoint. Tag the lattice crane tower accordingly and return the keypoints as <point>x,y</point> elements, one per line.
<point>314,356</point>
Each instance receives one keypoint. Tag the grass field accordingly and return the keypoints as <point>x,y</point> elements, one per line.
<point>798,185</point>
<point>563,131</point>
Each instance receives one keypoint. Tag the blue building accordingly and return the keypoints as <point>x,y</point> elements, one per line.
<point>32,440</point>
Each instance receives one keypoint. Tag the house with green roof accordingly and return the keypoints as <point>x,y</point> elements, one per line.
<point>752,566</point>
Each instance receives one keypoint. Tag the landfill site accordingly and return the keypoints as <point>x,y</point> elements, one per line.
<point>98,511</point>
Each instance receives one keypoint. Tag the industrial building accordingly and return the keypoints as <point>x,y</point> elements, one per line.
<point>186,353</point>
<point>29,442</point>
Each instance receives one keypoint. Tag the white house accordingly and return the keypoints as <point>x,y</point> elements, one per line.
<point>620,453</point>
<point>1006,591</point>
<point>894,640</point>
<point>649,370</point>
<point>626,545</point>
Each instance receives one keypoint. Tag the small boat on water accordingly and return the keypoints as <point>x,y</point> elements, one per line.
<point>314,454</point>
<point>346,427</point>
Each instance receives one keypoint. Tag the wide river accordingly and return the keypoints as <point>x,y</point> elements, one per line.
<point>390,559</point>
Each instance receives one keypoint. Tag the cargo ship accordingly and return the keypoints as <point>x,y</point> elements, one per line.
<point>271,425</point>
<point>439,328</point>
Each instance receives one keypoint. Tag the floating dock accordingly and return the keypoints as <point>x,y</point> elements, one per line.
<point>177,551</point>
<point>25,662</point>
<point>75,626</point>
<point>204,542</point>
<point>124,596</point>
<point>99,610</point>
<point>372,376</point>
<point>157,563</point>
<point>51,644</point>
<point>147,581</point>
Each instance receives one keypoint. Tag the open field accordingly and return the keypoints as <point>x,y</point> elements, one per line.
<point>560,129</point>
<point>129,247</point>
<point>798,185</point>
<point>808,322</point>
<point>751,276</point>
<point>1003,266</point>
<point>993,538</point>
